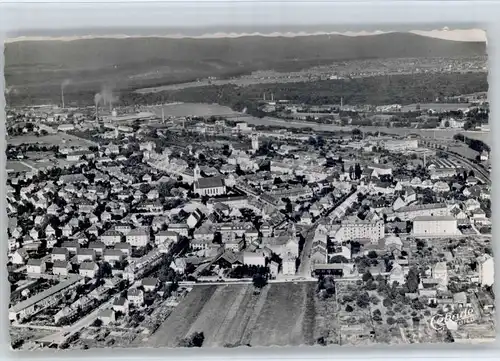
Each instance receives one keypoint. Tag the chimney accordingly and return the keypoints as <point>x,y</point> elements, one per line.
<point>97,112</point>
<point>62,96</point>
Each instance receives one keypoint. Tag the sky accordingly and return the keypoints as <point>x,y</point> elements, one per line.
<point>201,17</point>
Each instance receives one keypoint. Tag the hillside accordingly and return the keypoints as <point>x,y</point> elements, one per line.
<point>35,67</point>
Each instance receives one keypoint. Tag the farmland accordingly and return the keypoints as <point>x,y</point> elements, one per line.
<point>232,315</point>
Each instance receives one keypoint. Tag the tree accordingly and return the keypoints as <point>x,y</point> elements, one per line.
<point>447,124</point>
<point>367,276</point>
<point>387,302</point>
<point>413,280</point>
<point>97,322</point>
<point>195,340</point>
<point>467,125</point>
<point>349,308</point>
<point>363,300</point>
<point>391,321</point>
<point>259,281</point>
<point>357,171</point>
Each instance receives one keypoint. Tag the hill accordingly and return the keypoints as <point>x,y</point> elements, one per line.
<point>35,67</point>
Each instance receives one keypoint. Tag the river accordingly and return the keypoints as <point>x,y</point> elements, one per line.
<point>199,109</point>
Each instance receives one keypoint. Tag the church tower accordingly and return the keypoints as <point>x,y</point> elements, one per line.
<point>255,142</point>
<point>197,173</point>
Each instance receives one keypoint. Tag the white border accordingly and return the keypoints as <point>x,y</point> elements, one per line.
<point>130,13</point>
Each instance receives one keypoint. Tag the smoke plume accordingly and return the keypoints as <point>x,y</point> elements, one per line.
<point>65,83</point>
<point>106,96</point>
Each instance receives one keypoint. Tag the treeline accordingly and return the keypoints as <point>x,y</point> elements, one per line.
<point>475,144</point>
<point>401,89</point>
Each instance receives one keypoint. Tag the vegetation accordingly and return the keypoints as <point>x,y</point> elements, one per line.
<point>195,340</point>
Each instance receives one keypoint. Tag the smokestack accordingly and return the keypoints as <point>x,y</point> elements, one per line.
<point>62,96</point>
<point>97,112</point>
<point>162,115</point>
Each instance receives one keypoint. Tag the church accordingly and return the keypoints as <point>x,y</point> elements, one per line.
<point>213,186</point>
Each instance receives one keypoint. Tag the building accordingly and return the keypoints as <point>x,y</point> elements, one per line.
<point>112,255</point>
<point>486,270</point>
<point>210,186</point>
<point>88,269</point>
<point>254,259</point>
<point>41,300</point>
<point>61,268</point>
<point>355,228</point>
<point>138,237</point>
<point>440,273</point>
<point>59,254</point>
<point>111,237</point>
<point>435,226</point>
<point>135,296</point>
<point>432,209</point>
<point>85,254</point>
<point>289,265</point>
<point>149,284</point>
<point>120,304</point>
<point>35,267</point>
<point>107,316</point>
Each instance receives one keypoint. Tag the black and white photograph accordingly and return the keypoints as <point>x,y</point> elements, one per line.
<point>248,186</point>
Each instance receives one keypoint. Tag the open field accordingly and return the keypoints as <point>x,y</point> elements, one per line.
<point>232,315</point>
<point>60,139</point>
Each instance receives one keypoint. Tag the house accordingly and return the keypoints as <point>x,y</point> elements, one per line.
<point>20,257</point>
<point>471,204</point>
<point>49,231</point>
<point>72,246</point>
<point>254,259</point>
<point>112,255</point>
<point>251,234</point>
<point>282,245</point>
<point>85,254</point>
<point>135,296</point>
<point>123,228</point>
<point>34,233</point>
<point>111,237</point>
<point>138,237</point>
<point>61,268</point>
<point>88,269</point>
<point>397,274</point>
<point>182,229</point>
<point>124,247</point>
<point>149,284</point>
<point>273,269</point>
<point>289,264</point>
<point>179,265</point>
<point>200,244</point>
<point>153,195</point>
<point>440,273</point>
<point>35,267</point>
<point>229,259</point>
<point>234,244</point>
<point>194,218</point>
<point>107,316</point>
<point>98,247</point>
<point>67,230</point>
<point>120,304</point>
<point>59,254</point>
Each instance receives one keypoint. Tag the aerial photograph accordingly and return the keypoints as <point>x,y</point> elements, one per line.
<point>242,188</point>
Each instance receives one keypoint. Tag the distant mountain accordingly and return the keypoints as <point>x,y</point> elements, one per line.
<point>34,64</point>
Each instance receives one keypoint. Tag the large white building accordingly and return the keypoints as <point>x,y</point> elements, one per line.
<point>419,210</point>
<point>355,228</point>
<point>435,226</point>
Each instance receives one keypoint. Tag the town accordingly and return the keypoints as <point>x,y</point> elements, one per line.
<point>138,228</point>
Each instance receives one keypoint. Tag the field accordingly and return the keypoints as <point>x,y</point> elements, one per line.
<point>60,139</point>
<point>232,315</point>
